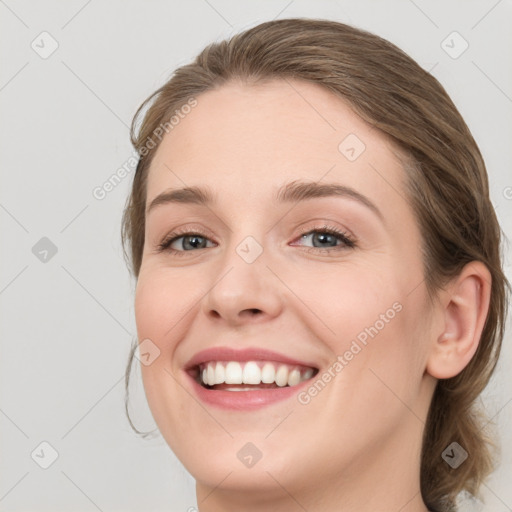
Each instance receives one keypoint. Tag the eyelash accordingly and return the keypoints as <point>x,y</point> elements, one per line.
<point>347,240</point>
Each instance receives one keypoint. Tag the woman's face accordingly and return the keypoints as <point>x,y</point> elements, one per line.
<point>258,279</point>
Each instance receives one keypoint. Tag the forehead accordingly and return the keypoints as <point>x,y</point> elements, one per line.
<point>254,138</point>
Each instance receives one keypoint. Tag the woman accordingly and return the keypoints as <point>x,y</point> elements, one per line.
<point>320,298</point>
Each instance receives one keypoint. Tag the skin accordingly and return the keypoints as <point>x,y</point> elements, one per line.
<point>356,445</point>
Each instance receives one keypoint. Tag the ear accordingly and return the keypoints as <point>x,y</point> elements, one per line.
<point>465,303</point>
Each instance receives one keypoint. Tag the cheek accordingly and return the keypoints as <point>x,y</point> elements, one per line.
<point>368,317</point>
<point>394,355</point>
<point>159,303</point>
<point>161,309</point>
<point>349,303</point>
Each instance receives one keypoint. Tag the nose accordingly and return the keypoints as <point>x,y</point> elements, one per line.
<point>243,292</point>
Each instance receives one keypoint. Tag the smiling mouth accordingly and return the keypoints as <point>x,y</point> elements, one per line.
<point>250,375</point>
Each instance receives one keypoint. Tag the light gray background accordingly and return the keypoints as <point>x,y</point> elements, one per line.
<point>67,324</point>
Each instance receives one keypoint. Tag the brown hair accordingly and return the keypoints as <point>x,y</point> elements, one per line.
<point>447,186</point>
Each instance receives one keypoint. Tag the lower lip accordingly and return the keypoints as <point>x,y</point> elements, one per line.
<point>244,400</point>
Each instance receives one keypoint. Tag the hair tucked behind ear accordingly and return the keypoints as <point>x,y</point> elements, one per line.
<point>446,180</point>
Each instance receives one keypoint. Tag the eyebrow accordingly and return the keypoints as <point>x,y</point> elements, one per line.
<point>294,191</point>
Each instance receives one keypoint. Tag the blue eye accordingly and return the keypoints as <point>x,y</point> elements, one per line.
<point>326,236</point>
<point>189,242</point>
<point>324,239</point>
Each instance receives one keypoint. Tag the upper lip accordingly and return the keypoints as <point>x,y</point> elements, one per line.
<point>246,354</point>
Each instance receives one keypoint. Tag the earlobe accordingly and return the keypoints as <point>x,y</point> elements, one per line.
<point>465,305</point>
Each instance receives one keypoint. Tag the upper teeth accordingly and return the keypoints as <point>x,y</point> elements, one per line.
<point>253,372</point>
